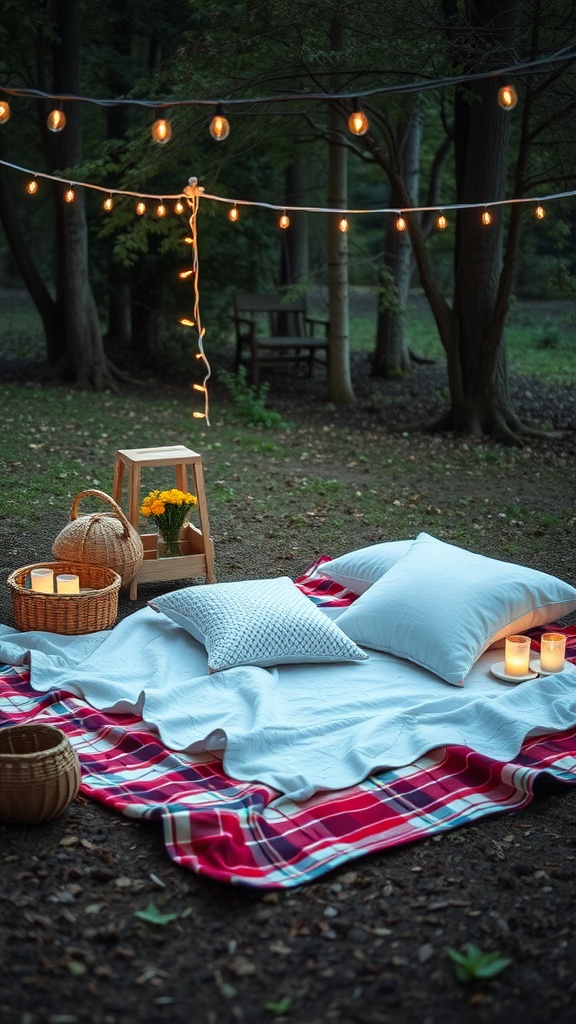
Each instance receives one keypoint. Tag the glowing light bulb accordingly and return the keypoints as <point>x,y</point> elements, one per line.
<point>400,223</point>
<point>540,212</point>
<point>108,204</point>
<point>486,218</point>
<point>140,208</point>
<point>161,131</point>
<point>343,225</point>
<point>358,123</point>
<point>56,120</point>
<point>4,111</point>
<point>161,210</point>
<point>219,125</point>
<point>233,213</point>
<point>32,187</point>
<point>70,194</point>
<point>441,222</point>
<point>507,97</point>
<point>179,206</point>
<point>284,221</point>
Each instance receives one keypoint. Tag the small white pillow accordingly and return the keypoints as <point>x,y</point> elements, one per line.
<point>358,570</point>
<point>257,622</point>
<point>441,606</point>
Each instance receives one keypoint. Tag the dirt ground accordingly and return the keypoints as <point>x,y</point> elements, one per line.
<point>367,943</point>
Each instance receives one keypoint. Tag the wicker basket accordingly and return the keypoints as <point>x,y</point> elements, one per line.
<point>101,538</point>
<point>66,613</point>
<point>39,773</point>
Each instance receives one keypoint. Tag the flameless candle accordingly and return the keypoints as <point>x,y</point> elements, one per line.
<point>517,659</point>
<point>67,583</point>
<point>42,580</point>
<point>552,652</point>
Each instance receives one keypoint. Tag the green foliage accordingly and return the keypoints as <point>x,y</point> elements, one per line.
<point>250,402</point>
<point>278,1006</point>
<point>151,915</point>
<point>474,965</point>
<point>548,337</point>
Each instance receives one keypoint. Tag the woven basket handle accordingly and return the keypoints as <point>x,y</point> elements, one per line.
<point>105,497</point>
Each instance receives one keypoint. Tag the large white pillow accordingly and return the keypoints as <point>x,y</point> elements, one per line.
<point>257,622</point>
<point>358,570</point>
<point>441,606</point>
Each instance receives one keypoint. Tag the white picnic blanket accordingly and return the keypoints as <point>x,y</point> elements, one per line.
<point>297,728</point>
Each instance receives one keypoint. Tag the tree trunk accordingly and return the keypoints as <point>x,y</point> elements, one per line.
<point>294,256</point>
<point>340,388</point>
<point>49,313</point>
<point>84,358</point>
<point>480,402</point>
<point>392,354</point>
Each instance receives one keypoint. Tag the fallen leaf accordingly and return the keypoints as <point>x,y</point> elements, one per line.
<point>154,916</point>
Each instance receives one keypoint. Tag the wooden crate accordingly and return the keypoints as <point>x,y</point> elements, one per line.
<point>190,564</point>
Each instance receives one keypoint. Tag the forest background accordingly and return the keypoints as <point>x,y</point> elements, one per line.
<point>106,281</point>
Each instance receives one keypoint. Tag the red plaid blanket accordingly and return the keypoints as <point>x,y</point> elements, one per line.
<point>228,830</point>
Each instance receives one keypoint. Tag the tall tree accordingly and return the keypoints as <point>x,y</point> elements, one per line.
<point>83,356</point>
<point>339,380</point>
<point>481,38</point>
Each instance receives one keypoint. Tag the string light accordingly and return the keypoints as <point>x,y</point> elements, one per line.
<point>192,193</point>
<point>140,208</point>
<point>161,209</point>
<point>108,204</point>
<point>219,125</point>
<point>56,120</point>
<point>358,123</point>
<point>343,224</point>
<point>4,111</point>
<point>400,223</point>
<point>178,207</point>
<point>32,187</point>
<point>161,131</point>
<point>233,213</point>
<point>284,221</point>
<point>70,194</point>
<point>507,97</point>
<point>441,222</point>
<point>183,274</point>
<point>539,212</point>
<point>486,218</point>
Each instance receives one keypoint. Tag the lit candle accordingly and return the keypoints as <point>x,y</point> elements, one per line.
<point>517,658</point>
<point>552,652</point>
<point>67,583</point>
<point>42,580</point>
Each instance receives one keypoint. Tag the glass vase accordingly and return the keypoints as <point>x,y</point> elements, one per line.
<point>169,546</point>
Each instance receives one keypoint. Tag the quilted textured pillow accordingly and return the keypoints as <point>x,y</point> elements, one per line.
<point>358,570</point>
<point>441,606</point>
<point>257,622</point>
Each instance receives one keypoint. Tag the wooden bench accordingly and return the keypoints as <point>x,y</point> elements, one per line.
<point>270,330</point>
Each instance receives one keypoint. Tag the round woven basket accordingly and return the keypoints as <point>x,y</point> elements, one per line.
<point>101,538</point>
<point>72,614</point>
<point>39,773</point>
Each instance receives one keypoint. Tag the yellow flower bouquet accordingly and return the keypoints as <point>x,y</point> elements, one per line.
<point>169,509</point>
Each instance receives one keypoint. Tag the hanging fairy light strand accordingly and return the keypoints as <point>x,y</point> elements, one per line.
<point>193,192</point>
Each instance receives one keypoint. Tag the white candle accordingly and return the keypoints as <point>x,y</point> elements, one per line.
<point>552,652</point>
<point>42,580</point>
<point>517,658</point>
<point>67,583</point>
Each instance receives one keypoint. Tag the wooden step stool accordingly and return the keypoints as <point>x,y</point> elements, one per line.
<point>198,550</point>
